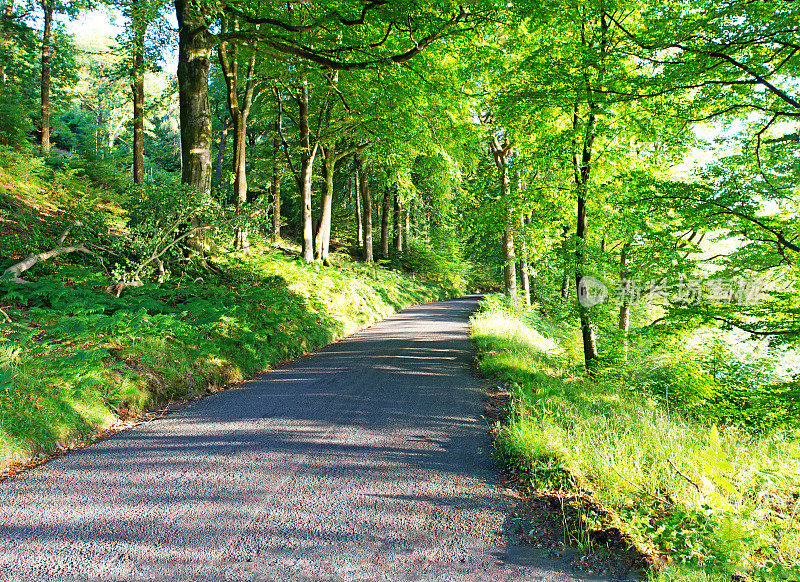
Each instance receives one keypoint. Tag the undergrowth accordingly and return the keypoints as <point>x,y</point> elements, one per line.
<point>715,500</point>
<point>75,357</point>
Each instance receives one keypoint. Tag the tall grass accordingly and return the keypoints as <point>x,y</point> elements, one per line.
<point>717,500</point>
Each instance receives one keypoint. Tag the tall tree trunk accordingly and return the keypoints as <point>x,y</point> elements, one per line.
<point>582,164</point>
<point>276,180</point>
<point>223,138</point>
<point>239,114</point>
<point>523,262</point>
<point>407,227</point>
<point>194,57</point>
<point>566,261</point>
<point>359,224</point>
<point>307,155</point>
<point>509,271</point>
<point>398,232</point>
<point>501,153</point>
<point>582,168</point>
<point>587,329</point>
<point>323,238</point>
<point>624,307</point>
<point>322,242</point>
<point>139,25</point>
<point>387,207</point>
<point>366,211</point>
<point>47,35</point>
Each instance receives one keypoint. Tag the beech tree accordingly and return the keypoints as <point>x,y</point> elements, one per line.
<point>49,8</point>
<point>309,35</point>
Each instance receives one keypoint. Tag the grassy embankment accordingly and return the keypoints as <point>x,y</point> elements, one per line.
<point>75,358</point>
<point>718,501</point>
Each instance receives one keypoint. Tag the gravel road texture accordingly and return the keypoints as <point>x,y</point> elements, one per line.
<point>369,460</point>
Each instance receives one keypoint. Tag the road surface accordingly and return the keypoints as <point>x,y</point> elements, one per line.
<point>366,461</point>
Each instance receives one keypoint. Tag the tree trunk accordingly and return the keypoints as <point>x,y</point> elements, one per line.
<point>587,330</point>
<point>509,258</point>
<point>359,225</point>
<point>139,25</point>
<point>624,307</point>
<point>565,259</point>
<point>240,239</point>
<point>239,114</point>
<point>509,272</point>
<point>223,138</point>
<point>387,208</point>
<point>194,57</point>
<point>500,154</point>
<point>47,34</point>
<point>582,168</point>
<point>398,232</point>
<point>276,181</point>
<point>407,237</point>
<point>307,156</point>
<point>323,238</point>
<point>366,206</point>
<point>523,262</point>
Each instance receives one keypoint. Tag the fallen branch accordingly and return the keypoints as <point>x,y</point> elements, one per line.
<point>162,247</point>
<point>690,481</point>
<point>17,269</point>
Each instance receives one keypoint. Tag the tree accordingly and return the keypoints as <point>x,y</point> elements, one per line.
<point>366,208</point>
<point>194,57</point>
<point>49,8</point>
<point>502,153</point>
<point>239,114</point>
<point>309,36</point>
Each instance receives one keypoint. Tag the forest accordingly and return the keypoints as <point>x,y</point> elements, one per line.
<point>219,186</point>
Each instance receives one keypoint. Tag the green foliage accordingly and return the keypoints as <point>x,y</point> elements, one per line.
<point>15,123</point>
<point>440,260</point>
<point>77,357</point>
<point>718,499</point>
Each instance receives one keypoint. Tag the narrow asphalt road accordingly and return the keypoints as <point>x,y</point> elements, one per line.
<point>366,461</point>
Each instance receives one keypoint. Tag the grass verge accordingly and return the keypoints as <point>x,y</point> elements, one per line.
<point>719,503</point>
<point>75,359</point>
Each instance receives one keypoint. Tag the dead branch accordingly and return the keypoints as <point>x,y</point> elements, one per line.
<point>18,268</point>
<point>690,481</point>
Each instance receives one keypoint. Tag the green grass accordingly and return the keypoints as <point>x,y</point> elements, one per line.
<point>716,500</point>
<point>76,358</point>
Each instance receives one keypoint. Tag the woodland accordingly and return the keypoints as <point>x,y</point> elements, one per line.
<point>222,185</point>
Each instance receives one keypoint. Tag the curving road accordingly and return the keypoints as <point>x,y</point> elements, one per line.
<point>366,461</point>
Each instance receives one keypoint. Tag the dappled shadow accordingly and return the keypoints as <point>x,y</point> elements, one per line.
<point>369,457</point>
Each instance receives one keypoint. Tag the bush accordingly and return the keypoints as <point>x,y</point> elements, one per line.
<point>15,122</point>
<point>440,260</point>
